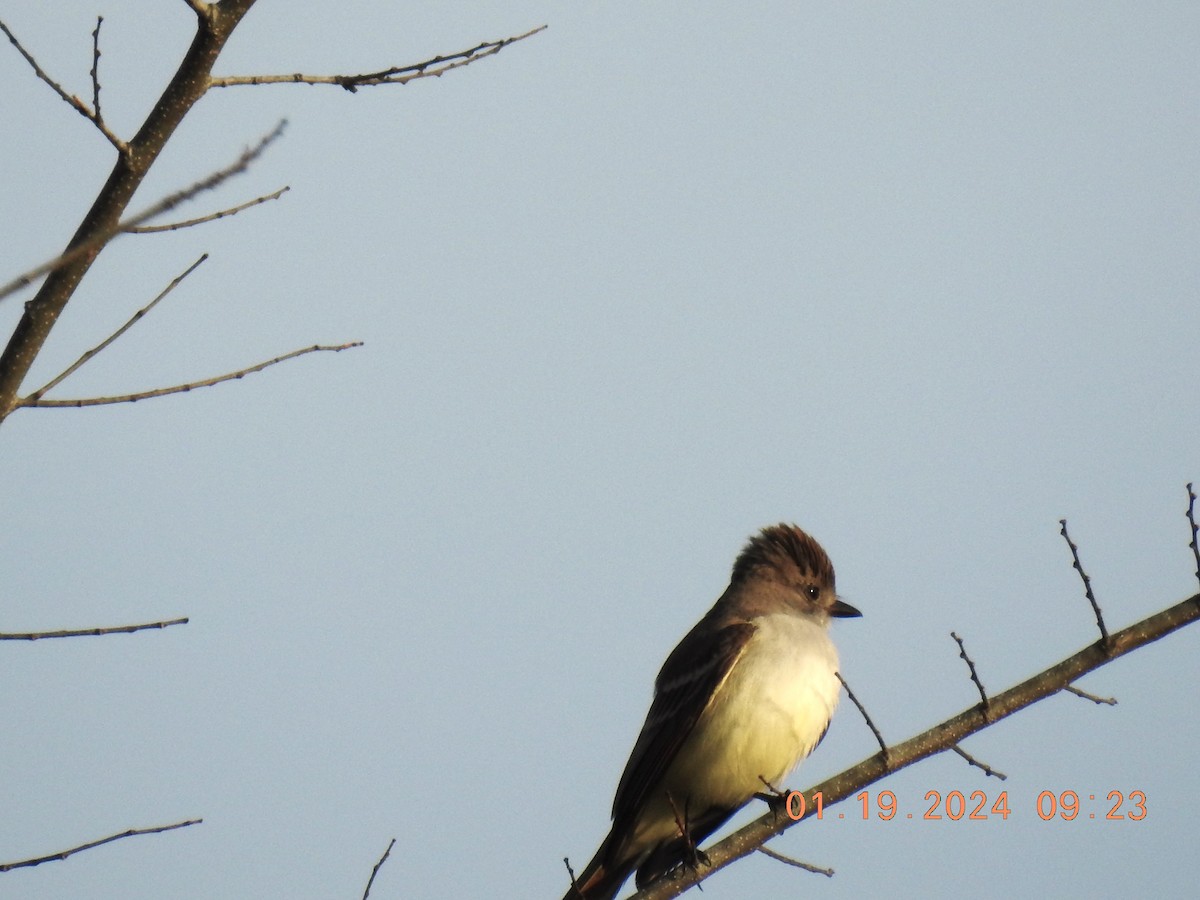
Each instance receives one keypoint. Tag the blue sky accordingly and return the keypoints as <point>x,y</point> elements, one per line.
<point>920,278</point>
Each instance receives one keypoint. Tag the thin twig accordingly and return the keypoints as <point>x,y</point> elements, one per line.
<point>90,632</point>
<point>93,243</point>
<point>184,388</point>
<point>571,875</point>
<point>378,865</point>
<point>1191,517</point>
<point>1087,582</point>
<point>962,652</point>
<point>96,69</point>
<point>807,867</point>
<point>70,99</point>
<point>987,770</point>
<point>862,709</point>
<point>63,854</point>
<point>74,367</point>
<point>211,217</point>
<point>1106,701</point>
<point>430,68</point>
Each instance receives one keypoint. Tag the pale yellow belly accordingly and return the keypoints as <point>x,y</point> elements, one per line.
<point>767,716</point>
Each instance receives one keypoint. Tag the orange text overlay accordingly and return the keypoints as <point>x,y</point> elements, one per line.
<point>979,806</point>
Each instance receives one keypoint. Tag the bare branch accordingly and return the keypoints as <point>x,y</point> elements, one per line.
<point>1087,582</point>
<point>1106,701</point>
<point>787,860</point>
<point>1191,517</point>
<point>75,366</point>
<point>863,710</point>
<point>378,866</point>
<point>962,653</point>
<point>102,219</point>
<point>63,854</point>
<point>987,770</point>
<point>105,218</point>
<point>211,217</point>
<point>571,875</point>
<point>99,238</point>
<point>90,632</point>
<point>430,68</point>
<point>184,388</point>
<point>96,69</point>
<point>70,99</point>
<point>936,740</point>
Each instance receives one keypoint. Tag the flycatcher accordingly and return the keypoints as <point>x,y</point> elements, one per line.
<point>746,695</point>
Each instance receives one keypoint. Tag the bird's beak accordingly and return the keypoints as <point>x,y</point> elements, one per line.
<point>843,610</point>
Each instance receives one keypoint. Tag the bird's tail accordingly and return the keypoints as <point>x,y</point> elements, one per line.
<point>601,878</point>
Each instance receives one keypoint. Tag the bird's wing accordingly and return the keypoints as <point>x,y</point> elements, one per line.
<point>685,687</point>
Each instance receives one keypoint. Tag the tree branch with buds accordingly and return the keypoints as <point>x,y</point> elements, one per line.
<point>944,736</point>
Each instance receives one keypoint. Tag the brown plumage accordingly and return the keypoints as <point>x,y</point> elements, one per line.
<point>745,695</point>
<point>779,549</point>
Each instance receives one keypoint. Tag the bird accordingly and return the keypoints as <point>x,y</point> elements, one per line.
<point>745,696</point>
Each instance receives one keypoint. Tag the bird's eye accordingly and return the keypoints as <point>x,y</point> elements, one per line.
<point>812,592</point>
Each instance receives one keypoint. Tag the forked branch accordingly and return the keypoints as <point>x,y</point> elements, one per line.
<point>103,219</point>
<point>99,238</point>
<point>215,22</point>
<point>941,737</point>
<point>92,114</point>
<point>91,354</point>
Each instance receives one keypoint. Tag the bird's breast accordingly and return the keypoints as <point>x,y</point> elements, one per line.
<point>769,713</point>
